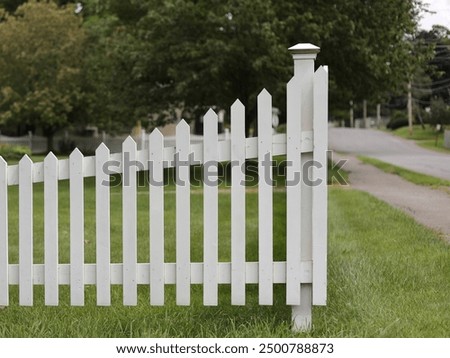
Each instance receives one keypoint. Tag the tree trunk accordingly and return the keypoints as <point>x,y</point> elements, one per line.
<point>49,133</point>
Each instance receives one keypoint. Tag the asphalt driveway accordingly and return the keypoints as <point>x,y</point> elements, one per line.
<point>390,149</point>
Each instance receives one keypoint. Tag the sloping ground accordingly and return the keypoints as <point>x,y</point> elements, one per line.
<point>430,207</point>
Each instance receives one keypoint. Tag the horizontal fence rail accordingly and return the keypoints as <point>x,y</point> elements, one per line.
<point>306,218</point>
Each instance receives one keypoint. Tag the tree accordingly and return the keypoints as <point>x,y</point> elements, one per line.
<point>440,112</point>
<point>208,53</point>
<point>196,52</point>
<point>40,60</point>
<point>438,67</point>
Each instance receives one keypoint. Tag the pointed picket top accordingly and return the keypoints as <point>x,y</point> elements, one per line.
<point>295,81</point>
<point>102,148</point>
<point>264,93</point>
<point>183,126</point>
<point>50,158</point>
<point>3,161</point>
<point>76,154</point>
<point>210,115</point>
<point>129,142</point>
<point>322,71</point>
<point>25,160</point>
<point>155,134</point>
<point>237,105</point>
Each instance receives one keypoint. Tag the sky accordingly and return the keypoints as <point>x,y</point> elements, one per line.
<point>441,16</point>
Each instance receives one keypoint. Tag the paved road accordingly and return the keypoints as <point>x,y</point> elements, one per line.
<point>391,149</point>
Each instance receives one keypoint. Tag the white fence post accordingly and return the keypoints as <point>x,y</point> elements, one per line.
<point>304,56</point>
<point>4,263</point>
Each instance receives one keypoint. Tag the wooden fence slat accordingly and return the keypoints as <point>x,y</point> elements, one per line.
<point>293,192</point>
<point>103,242</point>
<point>143,273</point>
<point>26,231</point>
<point>319,175</point>
<point>51,229</point>
<point>279,148</point>
<point>76,228</point>
<point>265,199</point>
<point>210,209</point>
<point>183,213</point>
<point>156,173</point>
<point>4,262</point>
<point>237,204</point>
<point>129,222</point>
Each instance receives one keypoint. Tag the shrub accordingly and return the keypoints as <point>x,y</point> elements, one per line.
<point>13,152</point>
<point>398,119</point>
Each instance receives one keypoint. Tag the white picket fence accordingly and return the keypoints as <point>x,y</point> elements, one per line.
<point>305,270</point>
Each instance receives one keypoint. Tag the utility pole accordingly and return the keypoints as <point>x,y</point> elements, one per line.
<point>351,114</point>
<point>365,113</point>
<point>410,115</point>
<point>378,115</point>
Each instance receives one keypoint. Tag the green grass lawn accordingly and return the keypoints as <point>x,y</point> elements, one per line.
<point>426,138</point>
<point>388,277</point>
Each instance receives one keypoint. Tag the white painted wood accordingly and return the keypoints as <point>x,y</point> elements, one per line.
<point>25,232</point>
<point>76,228</point>
<point>129,222</point>
<point>103,242</point>
<point>293,192</point>
<point>265,199</point>
<point>251,144</point>
<point>210,209</point>
<point>170,272</point>
<point>4,262</point>
<point>304,57</point>
<point>156,173</point>
<point>302,314</point>
<point>183,213</point>
<point>319,174</point>
<point>51,229</point>
<point>238,272</point>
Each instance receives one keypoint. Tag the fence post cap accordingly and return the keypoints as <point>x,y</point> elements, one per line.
<point>304,51</point>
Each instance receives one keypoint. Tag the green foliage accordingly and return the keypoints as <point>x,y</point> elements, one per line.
<point>398,119</point>
<point>13,152</point>
<point>440,112</point>
<point>141,58</point>
<point>40,61</point>
<point>192,54</point>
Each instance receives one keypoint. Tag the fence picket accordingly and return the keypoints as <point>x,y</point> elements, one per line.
<point>265,198</point>
<point>51,229</point>
<point>26,231</point>
<point>210,209</point>
<point>103,244</point>
<point>156,193</point>
<point>76,228</point>
<point>305,270</point>
<point>293,192</point>
<point>4,281</point>
<point>129,221</point>
<point>319,175</point>
<point>237,204</point>
<point>183,213</point>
